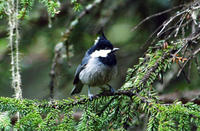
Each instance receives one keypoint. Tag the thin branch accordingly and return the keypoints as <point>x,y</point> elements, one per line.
<point>180,24</point>
<point>118,93</point>
<point>155,15</point>
<point>184,74</point>
<point>194,54</point>
<point>24,11</point>
<point>171,19</point>
<point>57,56</point>
<point>164,99</point>
<point>167,30</point>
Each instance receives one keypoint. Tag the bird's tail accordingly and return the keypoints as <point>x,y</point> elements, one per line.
<point>77,88</point>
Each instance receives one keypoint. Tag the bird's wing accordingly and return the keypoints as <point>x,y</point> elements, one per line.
<point>80,68</point>
<point>78,85</point>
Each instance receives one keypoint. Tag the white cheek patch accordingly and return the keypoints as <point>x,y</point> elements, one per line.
<point>96,40</point>
<point>100,53</point>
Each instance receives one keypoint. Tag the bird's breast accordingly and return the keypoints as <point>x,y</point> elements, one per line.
<point>96,73</point>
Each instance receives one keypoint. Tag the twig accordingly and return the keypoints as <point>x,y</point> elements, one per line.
<point>174,55</point>
<point>187,40</point>
<point>52,74</point>
<point>171,19</point>
<point>186,97</point>
<point>177,29</point>
<point>174,27</point>
<point>155,15</point>
<point>184,74</point>
<point>119,93</point>
<point>170,28</point>
<point>195,53</point>
<point>24,11</point>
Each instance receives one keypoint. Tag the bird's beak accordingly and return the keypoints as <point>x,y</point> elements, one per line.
<point>115,49</point>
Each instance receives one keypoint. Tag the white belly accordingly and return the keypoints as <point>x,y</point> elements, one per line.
<point>96,73</point>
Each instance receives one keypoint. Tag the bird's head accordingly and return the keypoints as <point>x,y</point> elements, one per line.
<point>102,47</point>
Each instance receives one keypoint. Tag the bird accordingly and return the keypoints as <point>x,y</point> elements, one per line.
<point>98,66</point>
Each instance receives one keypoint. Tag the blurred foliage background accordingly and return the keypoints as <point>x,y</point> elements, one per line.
<point>39,34</point>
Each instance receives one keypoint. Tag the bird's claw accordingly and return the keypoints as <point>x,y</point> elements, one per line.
<point>112,90</point>
<point>90,96</point>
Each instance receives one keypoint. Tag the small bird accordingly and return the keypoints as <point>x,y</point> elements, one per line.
<point>98,66</point>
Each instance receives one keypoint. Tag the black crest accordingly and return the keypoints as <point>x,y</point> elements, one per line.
<point>101,44</point>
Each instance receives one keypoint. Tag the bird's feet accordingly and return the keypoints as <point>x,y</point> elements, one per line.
<point>112,90</point>
<point>90,96</point>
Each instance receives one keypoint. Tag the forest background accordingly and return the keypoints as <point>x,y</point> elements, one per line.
<point>52,37</point>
